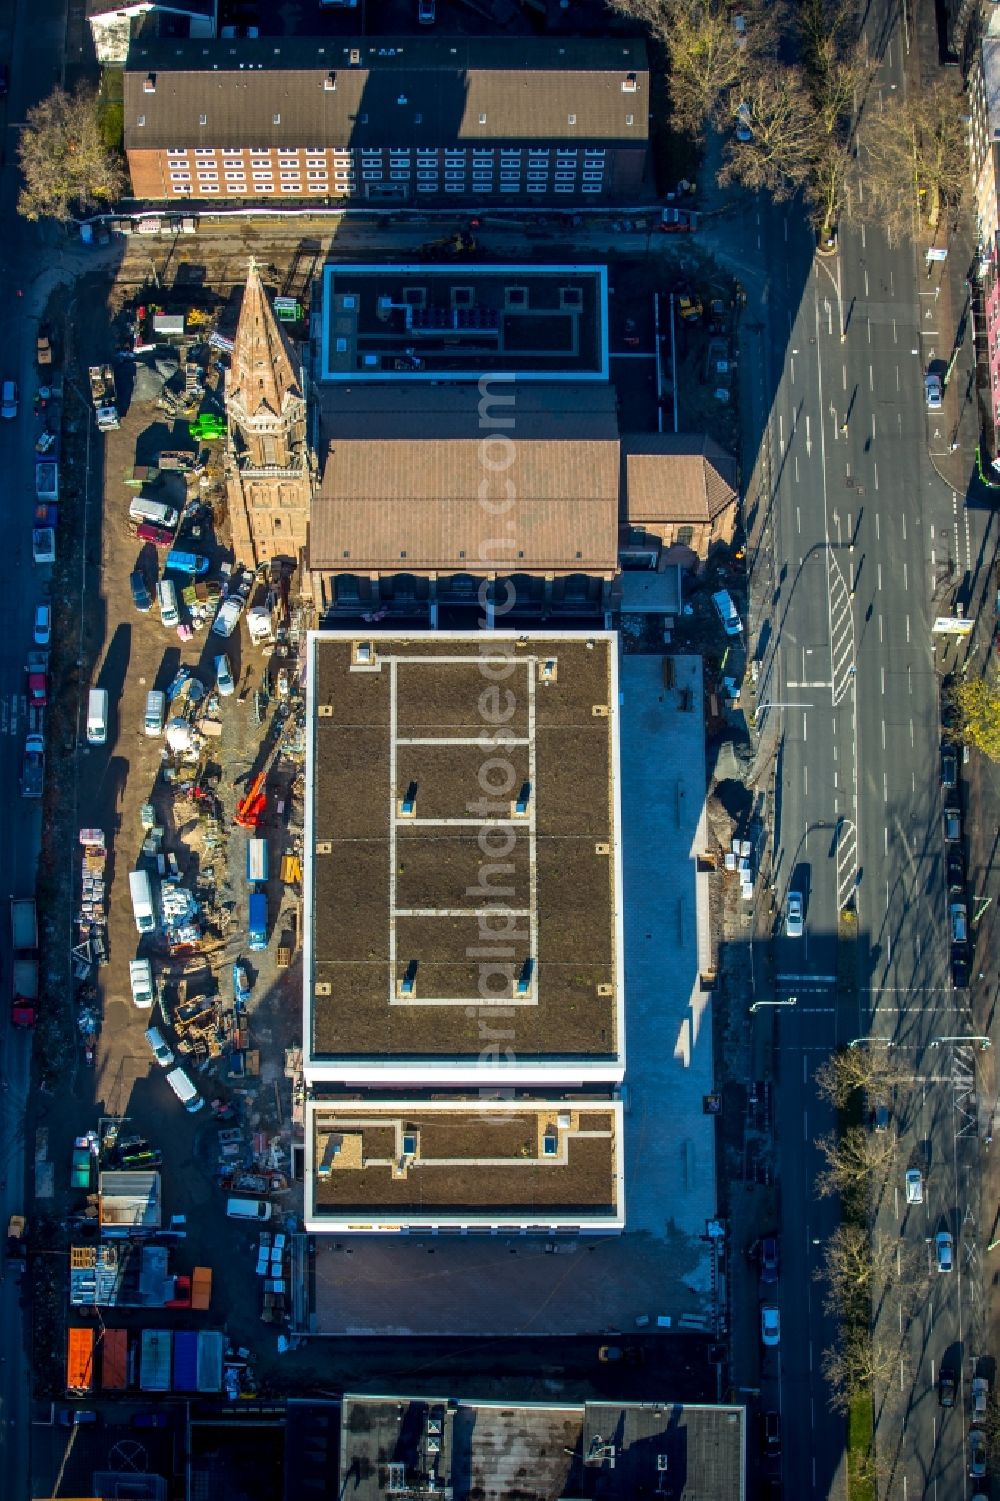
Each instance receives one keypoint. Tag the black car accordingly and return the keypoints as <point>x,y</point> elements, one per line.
<point>949,766</point>
<point>959,966</point>
<point>4,79</point>
<point>141,597</point>
<point>772,1432</point>
<point>955,869</point>
<point>769,1259</point>
<point>946,1387</point>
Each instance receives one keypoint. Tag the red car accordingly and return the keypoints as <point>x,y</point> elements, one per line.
<point>158,535</point>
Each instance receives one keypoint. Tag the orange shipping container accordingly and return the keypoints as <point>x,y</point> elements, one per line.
<point>201,1287</point>
<point>80,1360</point>
<point>114,1360</point>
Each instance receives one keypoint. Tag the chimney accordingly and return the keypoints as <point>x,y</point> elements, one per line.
<point>330,82</point>
<point>149,84</point>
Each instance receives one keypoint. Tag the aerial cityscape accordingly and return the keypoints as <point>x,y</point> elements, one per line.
<point>501,716</point>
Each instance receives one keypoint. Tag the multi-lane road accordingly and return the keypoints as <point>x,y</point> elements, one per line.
<point>860,524</point>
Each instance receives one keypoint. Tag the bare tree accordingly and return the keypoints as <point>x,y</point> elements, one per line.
<point>859,1364</point>
<point>874,1070</point>
<point>778,159</point>
<point>917,157</point>
<point>65,160</point>
<point>854,1266</point>
<point>857,1164</point>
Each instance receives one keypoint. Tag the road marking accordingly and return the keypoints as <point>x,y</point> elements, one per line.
<point>805,780</point>
<point>881,638</point>
<point>904,528</point>
<point>879,566</point>
<point>871,379</point>
<point>885,841</point>
<point>911,735</point>
<point>878,533</point>
<point>875,467</point>
<point>882,679</point>
<point>883,734</point>
<point>907,628</point>
<point>805,1135</point>
<point>906,577</point>
<point>798,514</point>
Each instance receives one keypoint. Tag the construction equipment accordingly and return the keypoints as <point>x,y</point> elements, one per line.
<point>463,242</point>
<point>43,345</point>
<point>689,307</point>
<point>250,808</point>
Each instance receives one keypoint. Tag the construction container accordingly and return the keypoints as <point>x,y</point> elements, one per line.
<point>256,861</point>
<point>211,1347</point>
<point>201,1287</point>
<point>79,1361</point>
<point>154,1364</point>
<point>114,1360</point>
<point>185,1360</point>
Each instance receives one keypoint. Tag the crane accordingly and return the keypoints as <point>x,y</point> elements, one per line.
<point>250,808</point>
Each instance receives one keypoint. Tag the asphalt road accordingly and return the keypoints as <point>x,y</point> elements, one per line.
<point>861,526</point>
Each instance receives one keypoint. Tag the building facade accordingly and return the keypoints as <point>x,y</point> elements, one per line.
<point>500,119</point>
<point>984,153</point>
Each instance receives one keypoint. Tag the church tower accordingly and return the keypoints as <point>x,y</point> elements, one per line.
<point>269,472</point>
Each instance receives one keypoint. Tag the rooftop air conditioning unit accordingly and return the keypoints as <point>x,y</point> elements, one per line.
<point>149,84</point>
<point>330,83</point>
<point>630,84</point>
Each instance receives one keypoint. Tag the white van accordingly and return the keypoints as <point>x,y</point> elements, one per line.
<point>166,598</point>
<point>97,716</point>
<point>140,978</point>
<point>727,613</point>
<point>184,1090</point>
<point>248,1209</point>
<point>156,712</point>
<point>158,1047</point>
<point>154,512</point>
<point>143,905</point>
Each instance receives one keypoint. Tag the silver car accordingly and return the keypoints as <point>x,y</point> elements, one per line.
<point>932,392</point>
<point>794,915</point>
<point>914,1186</point>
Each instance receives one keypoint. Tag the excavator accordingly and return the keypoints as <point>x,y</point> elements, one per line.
<point>252,805</point>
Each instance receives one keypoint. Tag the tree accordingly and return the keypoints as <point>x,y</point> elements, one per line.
<point>975,711</point>
<point>710,60</point>
<point>857,1164</point>
<point>854,1266</point>
<point>858,1365</point>
<point>779,157</point>
<point>66,164</point>
<point>916,151</point>
<point>875,1070</point>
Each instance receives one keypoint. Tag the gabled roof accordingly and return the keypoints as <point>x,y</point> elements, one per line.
<point>300,92</point>
<point>264,369</point>
<point>415,505</point>
<point>676,477</point>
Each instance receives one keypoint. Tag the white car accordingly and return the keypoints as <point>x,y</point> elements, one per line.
<point>43,625</point>
<point>944,1245</point>
<point>224,676</point>
<point>228,617</point>
<point>794,915</point>
<point>914,1186</point>
<point>743,118</point>
<point>140,976</point>
<point>770,1324</point>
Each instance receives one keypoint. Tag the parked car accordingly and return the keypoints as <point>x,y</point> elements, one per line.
<point>980,1396</point>
<point>932,391</point>
<point>744,132</point>
<point>727,612</point>
<point>944,1246</point>
<point>958,919</point>
<point>955,869</point>
<point>977,1454</point>
<point>75,1417</point>
<point>227,619</point>
<point>224,676</point>
<point>8,399</point>
<point>769,1259</point>
<point>959,966</point>
<point>770,1324</point>
<point>43,624</point>
<point>881,1116</point>
<point>949,766</point>
<point>952,825</point>
<point>141,597</point>
<point>772,1433</point>
<point>426,12</point>
<point>914,1186</point>
<point>946,1387</point>
<point>794,919</point>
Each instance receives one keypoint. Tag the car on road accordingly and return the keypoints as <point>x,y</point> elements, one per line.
<point>4,79</point>
<point>620,1355</point>
<point>958,919</point>
<point>955,869</point>
<point>959,966</point>
<point>980,1396</point>
<point>770,1325</point>
<point>952,825</point>
<point>794,918</point>
<point>772,1433</point>
<point>141,597</point>
<point>914,1186</point>
<point>43,624</point>
<point>947,1386</point>
<point>881,1117</point>
<point>944,1249</point>
<point>932,391</point>
<point>224,676</point>
<point>8,399</point>
<point>949,766</point>
<point>769,1259</point>
<point>977,1454</point>
<point>744,131</point>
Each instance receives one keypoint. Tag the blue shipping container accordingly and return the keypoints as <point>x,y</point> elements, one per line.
<point>258,921</point>
<point>185,1360</point>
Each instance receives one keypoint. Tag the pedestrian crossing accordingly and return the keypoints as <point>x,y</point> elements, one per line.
<point>13,713</point>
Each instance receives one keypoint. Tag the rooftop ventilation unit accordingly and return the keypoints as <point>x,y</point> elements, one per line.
<point>550,1144</point>
<point>520,807</point>
<point>397,1478</point>
<point>364,657</point>
<point>524,978</point>
<point>330,83</point>
<point>408,984</point>
<point>548,671</point>
<point>355,57</point>
<point>630,85</point>
<point>149,84</point>
<point>408,803</point>
<point>409,1143</point>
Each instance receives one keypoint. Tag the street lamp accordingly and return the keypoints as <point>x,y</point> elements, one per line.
<point>792,1000</point>
<point>775,704</point>
<point>984,1042</point>
<point>860,1042</point>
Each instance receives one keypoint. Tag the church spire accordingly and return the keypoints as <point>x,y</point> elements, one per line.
<point>264,370</point>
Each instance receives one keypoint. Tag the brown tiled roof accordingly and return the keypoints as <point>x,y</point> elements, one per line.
<point>412,92</point>
<point>410,506</point>
<point>676,477</point>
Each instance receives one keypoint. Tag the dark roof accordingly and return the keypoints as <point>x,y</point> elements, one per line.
<point>136,7</point>
<point>424,91</point>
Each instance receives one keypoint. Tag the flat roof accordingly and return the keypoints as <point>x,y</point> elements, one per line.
<point>463,902</point>
<point>539,1451</point>
<point>379,1165</point>
<point>419,322</point>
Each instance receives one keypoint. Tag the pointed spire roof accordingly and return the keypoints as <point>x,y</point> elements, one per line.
<point>263,365</point>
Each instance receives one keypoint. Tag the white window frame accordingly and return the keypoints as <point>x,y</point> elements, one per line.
<point>291,187</point>
<point>454,187</point>
<point>565,187</point>
<point>205,151</point>
<point>400,176</point>
<point>209,187</point>
<point>427,187</point>
<point>177,151</point>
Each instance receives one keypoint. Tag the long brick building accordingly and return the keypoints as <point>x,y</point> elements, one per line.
<point>420,120</point>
